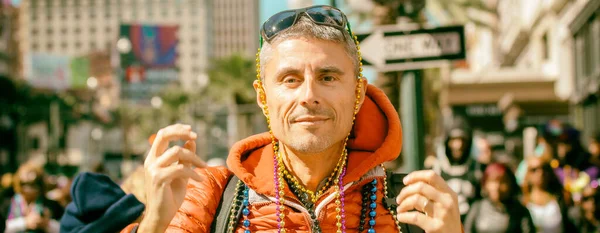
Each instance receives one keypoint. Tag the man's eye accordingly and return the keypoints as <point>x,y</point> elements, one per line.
<point>290,80</point>
<point>328,78</point>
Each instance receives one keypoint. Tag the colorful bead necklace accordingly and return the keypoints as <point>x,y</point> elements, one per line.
<point>313,196</point>
<point>279,173</point>
<point>369,205</point>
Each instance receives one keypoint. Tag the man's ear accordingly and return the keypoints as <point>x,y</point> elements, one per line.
<point>363,91</point>
<point>260,95</point>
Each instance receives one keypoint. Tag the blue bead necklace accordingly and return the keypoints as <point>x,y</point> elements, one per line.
<point>245,210</point>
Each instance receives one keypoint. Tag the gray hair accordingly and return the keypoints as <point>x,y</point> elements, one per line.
<point>307,28</point>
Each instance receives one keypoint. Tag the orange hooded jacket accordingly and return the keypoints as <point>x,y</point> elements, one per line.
<point>376,138</point>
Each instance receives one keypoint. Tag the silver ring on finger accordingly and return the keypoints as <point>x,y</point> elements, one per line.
<point>425,207</point>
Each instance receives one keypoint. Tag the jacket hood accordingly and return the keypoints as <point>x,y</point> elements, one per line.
<point>376,137</point>
<point>99,205</point>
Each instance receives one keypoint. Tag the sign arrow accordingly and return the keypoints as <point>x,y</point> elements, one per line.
<point>372,49</point>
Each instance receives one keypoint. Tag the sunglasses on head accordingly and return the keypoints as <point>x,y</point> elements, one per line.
<point>321,15</point>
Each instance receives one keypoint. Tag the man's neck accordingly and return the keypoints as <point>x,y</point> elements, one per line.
<point>311,168</point>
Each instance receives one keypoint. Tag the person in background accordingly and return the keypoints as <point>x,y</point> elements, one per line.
<point>572,163</point>
<point>586,215</point>
<point>594,149</point>
<point>6,193</point>
<point>455,165</point>
<point>28,210</point>
<point>545,198</point>
<point>499,211</point>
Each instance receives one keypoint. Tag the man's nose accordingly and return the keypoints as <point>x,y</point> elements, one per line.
<point>309,94</point>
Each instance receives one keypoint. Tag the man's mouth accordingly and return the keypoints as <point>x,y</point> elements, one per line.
<point>310,120</point>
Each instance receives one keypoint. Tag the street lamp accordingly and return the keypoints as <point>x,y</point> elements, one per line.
<point>156,102</point>
<point>92,82</point>
<point>123,45</point>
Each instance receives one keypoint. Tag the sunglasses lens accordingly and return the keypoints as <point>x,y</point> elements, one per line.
<point>326,15</point>
<point>278,22</point>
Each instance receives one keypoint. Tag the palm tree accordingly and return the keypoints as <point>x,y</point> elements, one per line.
<point>231,84</point>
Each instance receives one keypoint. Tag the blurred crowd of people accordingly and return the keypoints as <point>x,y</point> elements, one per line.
<point>553,190</point>
<point>35,200</point>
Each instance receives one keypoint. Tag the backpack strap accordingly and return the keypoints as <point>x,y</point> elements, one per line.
<point>220,222</point>
<point>394,186</point>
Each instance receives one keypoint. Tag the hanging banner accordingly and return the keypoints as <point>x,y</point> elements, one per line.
<point>148,55</point>
<point>48,71</point>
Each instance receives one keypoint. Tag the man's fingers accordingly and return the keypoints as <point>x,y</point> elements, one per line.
<point>168,134</point>
<point>425,190</point>
<point>167,174</point>
<point>193,174</point>
<point>180,155</point>
<point>418,219</point>
<point>415,202</point>
<point>429,177</point>
<point>190,145</point>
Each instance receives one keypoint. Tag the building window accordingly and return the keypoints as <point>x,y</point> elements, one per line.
<point>34,32</point>
<point>64,45</point>
<point>92,45</point>
<point>596,40</point>
<point>108,30</point>
<point>49,46</point>
<point>77,45</point>
<point>49,31</point>
<point>77,30</point>
<point>63,31</point>
<point>92,30</point>
<point>34,46</point>
<point>77,16</point>
<point>545,47</point>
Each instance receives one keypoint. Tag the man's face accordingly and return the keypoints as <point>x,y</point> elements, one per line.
<point>536,172</point>
<point>457,147</point>
<point>588,201</point>
<point>30,188</point>
<point>497,188</point>
<point>594,148</point>
<point>563,149</point>
<point>310,91</point>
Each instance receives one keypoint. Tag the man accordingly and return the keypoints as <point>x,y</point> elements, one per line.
<point>319,167</point>
<point>455,164</point>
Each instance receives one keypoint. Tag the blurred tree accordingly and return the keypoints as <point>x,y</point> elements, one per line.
<point>231,81</point>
